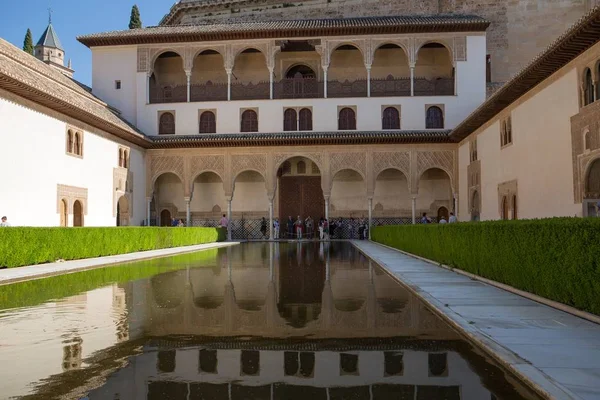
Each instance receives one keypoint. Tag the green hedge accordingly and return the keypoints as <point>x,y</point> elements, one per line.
<point>28,246</point>
<point>557,258</point>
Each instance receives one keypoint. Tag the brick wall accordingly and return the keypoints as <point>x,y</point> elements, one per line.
<point>519,30</point>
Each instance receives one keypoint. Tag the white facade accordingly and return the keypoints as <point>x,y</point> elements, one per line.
<point>35,161</point>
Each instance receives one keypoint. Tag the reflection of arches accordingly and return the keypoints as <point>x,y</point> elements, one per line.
<point>64,213</point>
<point>434,118</point>
<point>347,119</point>
<point>77,213</point>
<point>249,122</point>
<point>168,288</point>
<point>304,71</point>
<point>165,218</point>
<point>166,124</point>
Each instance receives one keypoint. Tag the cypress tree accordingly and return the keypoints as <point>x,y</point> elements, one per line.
<point>135,21</point>
<point>28,43</point>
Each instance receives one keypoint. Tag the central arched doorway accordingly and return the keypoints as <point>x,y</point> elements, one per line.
<point>123,211</point>
<point>300,192</point>
<point>77,213</point>
<point>165,218</point>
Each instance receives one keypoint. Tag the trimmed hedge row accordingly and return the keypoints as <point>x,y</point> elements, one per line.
<point>28,246</point>
<point>557,258</point>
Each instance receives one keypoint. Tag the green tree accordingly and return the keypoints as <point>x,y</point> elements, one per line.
<point>28,43</point>
<point>135,21</point>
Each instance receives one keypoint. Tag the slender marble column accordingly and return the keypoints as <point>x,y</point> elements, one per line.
<point>148,202</point>
<point>412,80</point>
<point>414,210</point>
<point>188,75</point>
<point>271,83</point>
<point>370,216</point>
<point>368,81</point>
<point>327,208</point>
<point>271,219</point>
<point>229,219</point>
<point>325,82</point>
<point>188,213</point>
<point>229,72</point>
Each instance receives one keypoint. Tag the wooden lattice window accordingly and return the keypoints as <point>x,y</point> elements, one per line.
<point>347,119</point>
<point>588,88</point>
<point>391,118</point>
<point>166,124</point>
<point>290,122</point>
<point>435,118</point>
<point>249,121</point>
<point>305,120</point>
<point>208,122</point>
<point>301,167</point>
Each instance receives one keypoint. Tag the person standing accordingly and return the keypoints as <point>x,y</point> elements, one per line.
<point>443,220</point>
<point>425,219</point>
<point>276,229</point>
<point>263,227</point>
<point>453,218</point>
<point>298,225</point>
<point>4,222</point>
<point>290,227</point>
<point>224,222</point>
<point>321,228</point>
<point>309,227</point>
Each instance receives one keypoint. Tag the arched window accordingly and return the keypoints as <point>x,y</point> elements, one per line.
<point>391,118</point>
<point>120,157</point>
<point>305,120</point>
<point>435,118</point>
<point>125,159</point>
<point>586,141</point>
<point>166,124</point>
<point>588,88</point>
<point>69,141</point>
<point>208,123</point>
<point>301,167</point>
<point>300,71</point>
<point>64,213</point>
<point>77,213</point>
<point>249,121</point>
<point>290,122</point>
<point>347,120</point>
<point>509,130</point>
<point>514,206</point>
<point>77,145</point>
<point>504,210</point>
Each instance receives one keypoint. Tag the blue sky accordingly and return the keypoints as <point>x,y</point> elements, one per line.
<point>72,18</point>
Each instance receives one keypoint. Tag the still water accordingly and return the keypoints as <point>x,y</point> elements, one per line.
<point>253,321</point>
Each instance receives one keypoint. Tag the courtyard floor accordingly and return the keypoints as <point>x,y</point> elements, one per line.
<point>557,352</point>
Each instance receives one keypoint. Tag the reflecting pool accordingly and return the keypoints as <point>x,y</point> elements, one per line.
<point>253,321</point>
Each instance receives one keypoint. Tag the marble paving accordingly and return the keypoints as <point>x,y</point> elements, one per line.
<point>557,352</point>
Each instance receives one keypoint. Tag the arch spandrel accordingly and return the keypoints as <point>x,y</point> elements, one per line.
<point>404,44</point>
<point>356,161</point>
<point>444,160</point>
<point>166,164</point>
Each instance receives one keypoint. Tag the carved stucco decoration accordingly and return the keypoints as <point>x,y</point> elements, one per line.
<point>460,48</point>
<point>204,163</point>
<point>164,164</point>
<point>353,161</point>
<point>248,162</point>
<point>420,42</point>
<point>392,159</point>
<point>278,159</point>
<point>443,160</point>
<point>404,44</point>
<point>509,191</point>
<point>70,194</point>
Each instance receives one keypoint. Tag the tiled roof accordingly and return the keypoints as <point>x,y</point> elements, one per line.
<point>291,28</point>
<point>25,75</point>
<point>300,138</point>
<point>49,38</point>
<point>575,41</point>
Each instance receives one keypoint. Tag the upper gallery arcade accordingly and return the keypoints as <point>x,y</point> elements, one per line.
<point>172,79</point>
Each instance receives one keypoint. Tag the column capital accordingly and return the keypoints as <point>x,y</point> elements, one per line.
<point>228,196</point>
<point>368,66</point>
<point>149,199</point>
<point>187,199</point>
<point>229,71</point>
<point>188,73</point>
<point>413,196</point>
<point>149,73</point>
<point>412,65</point>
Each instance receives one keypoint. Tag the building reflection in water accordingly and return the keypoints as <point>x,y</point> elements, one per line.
<point>290,321</point>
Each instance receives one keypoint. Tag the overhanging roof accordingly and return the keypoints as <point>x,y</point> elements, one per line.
<point>290,28</point>
<point>576,40</point>
<point>299,139</point>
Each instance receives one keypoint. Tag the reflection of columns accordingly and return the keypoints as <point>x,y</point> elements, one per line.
<point>187,212</point>
<point>412,80</point>
<point>271,83</point>
<point>414,210</point>
<point>188,75</point>
<point>327,207</point>
<point>368,80</point>
<point>229,218</point>
<point>327,268</point>
<point>271,219</point>
<point>229,72</point>
<point>325,80</point>
<point>148,201</point>
<point>370,216</point>
<point>271,271</point>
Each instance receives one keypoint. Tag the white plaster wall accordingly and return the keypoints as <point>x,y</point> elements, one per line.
<point>539,158</point>
<point>119,63</point>
<point>110,64</point>
<point>34,161</point>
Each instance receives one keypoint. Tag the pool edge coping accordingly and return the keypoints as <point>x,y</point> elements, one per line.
<point>535,378</point>
<point>67,267</point>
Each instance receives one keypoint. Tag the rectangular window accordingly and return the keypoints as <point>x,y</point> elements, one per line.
<point>118,85</point>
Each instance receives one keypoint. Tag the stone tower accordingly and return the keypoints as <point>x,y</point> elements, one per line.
<point>50,50</point>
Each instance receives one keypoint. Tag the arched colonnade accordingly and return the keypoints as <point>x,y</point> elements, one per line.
<point>392,186</point>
